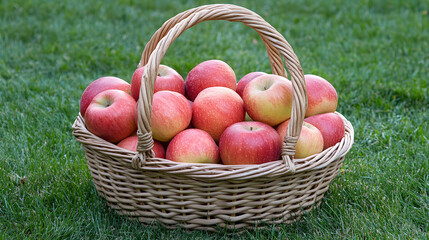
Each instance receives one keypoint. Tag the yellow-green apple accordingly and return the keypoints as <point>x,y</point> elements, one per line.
<point>171,113</point>
<point>167,79</point>
<point>268,99</point>
<point>130,143</point>
<point>110,115</point>
<point>245,80</point>
<point>322,97</point>
<point>207,74</point>
<point>330,125</point>
<point>193,146</point>
<point>247,117</point>
<point>99,86</point>
<point>310,139</point>
<point>249,143</point>
<point>215,109</point>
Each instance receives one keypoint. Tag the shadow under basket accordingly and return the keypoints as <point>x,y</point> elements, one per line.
<point>213,196</point>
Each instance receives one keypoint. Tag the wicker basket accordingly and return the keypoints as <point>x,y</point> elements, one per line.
<point>212,196</point>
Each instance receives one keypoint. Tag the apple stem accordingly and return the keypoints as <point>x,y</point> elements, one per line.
<point>251,128</point>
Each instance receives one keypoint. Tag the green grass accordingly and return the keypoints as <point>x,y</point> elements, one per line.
<point>375,53</point>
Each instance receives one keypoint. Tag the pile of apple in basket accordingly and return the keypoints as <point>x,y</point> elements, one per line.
<point>209,118</point>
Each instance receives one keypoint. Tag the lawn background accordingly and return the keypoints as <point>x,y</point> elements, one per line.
<point>375,53</point>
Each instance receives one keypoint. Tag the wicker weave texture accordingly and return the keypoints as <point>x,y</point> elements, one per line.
<point>212,196</point>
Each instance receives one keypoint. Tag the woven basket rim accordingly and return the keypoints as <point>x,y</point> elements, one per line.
<point>217,171</point>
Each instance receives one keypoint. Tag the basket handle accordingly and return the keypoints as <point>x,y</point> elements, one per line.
<point>273,54</point>
<point>272,38</point>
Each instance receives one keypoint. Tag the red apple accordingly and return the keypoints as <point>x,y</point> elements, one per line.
<point>322,97</point>
<point>167,79</point>
<point>211,73</point>
<point>110,115</point>
<point>193,146</point>
<point>249,143</point>
<point>171,113</point>
<point>158,149</point>
<point>99,86</point>
<point>310,139</point>
<point>130,143</point>
<point>190,124</point>
<point>268,99</point>
<point>245,80</point>
<point>215,109</point>
<point>330,125</point>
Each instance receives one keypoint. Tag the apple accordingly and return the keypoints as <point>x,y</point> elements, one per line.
<point>245,80</point>
<point>193,146</point>
<point>247,117</point>
<point>190,124</point>
<point>158,149</point>
<point>215,109</point>
<point>330,125</point>
<point>322,97</point>
<point>249,143</point>
<point>130,143</point>
<point>207,74</point>
<point>110,115</point>
<point>171,113</point>
<point>100,85</point>
<point>310,139</point>
<point>167,79</point>
<point>268,99</point>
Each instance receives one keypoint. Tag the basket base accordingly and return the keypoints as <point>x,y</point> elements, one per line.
<point>217,214</point>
